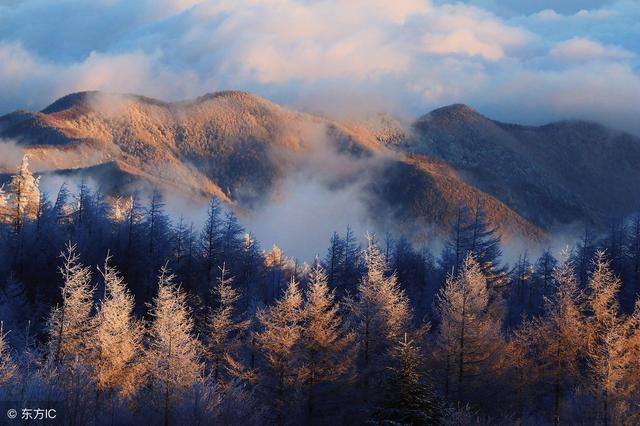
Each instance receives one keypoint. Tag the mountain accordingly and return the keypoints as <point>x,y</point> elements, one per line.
<point>410,176</point>
<point>551,175</point>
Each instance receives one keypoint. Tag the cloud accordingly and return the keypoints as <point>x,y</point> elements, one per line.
<point>582,14</point>
<point>471,31</point>
<point>579,49</point>
<point>331,56</point>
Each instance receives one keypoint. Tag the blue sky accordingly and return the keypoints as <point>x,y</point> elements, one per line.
<point>528,62</point>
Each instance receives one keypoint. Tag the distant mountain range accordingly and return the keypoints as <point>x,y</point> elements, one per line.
<point>414,176</point>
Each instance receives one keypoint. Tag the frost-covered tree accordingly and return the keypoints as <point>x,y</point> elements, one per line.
<point>224,328</point>
<point>120,208</point>
<point>632,250</point>
<point>520,366</point>
<point>250,271</point>
<point>5,209</point>
<point>70,322</point>
<point>8,368</point>
<point>173,354</point>
<point>555,341</point>
<point>608,351</point>
<point>278,341</point>
<point>62,211</point>
<point>24,194</point>
<point>629,392</point>
<point>324,356</point>
<point>275,262</point>
<point>469,335</point>
<point>117,339</point>
<point>381,314</point>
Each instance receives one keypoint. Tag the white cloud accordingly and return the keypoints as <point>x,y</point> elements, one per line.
<point>467,30</point>
<point>328,55</point>
<point>580,49</point>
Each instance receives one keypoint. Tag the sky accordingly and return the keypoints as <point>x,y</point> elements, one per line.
<point>529,62</point>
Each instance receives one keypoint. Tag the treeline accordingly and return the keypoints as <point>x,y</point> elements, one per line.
<point>122,315</point>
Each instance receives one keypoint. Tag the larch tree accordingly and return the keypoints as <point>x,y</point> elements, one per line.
<point>560,334</point>
<point>70,322</point>
<point>117,339</point>
<point>231,236</point>
<point>520,365</point>
<point>469,336</point>
<point>608,354</point>
<point>250,269</point>
<point>278,341</point>
<point>5,209</point>
<point>351,265</point>
<point>224,329</point>
<point>275,262</point>
<point>24,194</point>
<point>521,291</point>
<point>473,234</point>
<point>8,368</point>
<point>381,314</point>
<point>582,257</point>
<point>629,391</point>
<point>173,354</point>
<point>334,258</point>
<point>210,240</point>
<point>324,341</point>
<point>543,279</point>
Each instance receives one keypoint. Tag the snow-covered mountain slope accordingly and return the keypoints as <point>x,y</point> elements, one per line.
<point>414,176</point>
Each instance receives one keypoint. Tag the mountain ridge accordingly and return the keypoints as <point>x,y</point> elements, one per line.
<point>240,147</point>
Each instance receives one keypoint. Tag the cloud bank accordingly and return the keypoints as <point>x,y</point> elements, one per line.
<point>530,63</point>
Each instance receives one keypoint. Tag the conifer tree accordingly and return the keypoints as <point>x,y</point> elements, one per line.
<point>250,270</point>
<point>61,210</point>
<point>543,277</point>
<point>173,355</point>
<point>556,340</point>
<point>469,335</point>
<point>8,368</point>
<point>117,339</point>
<point>471,233</point>
<point>381,314</point>
<point>24,194</point>
<point>333,259</point>
<point>324,355</point>
<point>278,341</point>
<point>232,233</point>
<point>275,262</point>
<point>582,257</point>
<point>351,265</point>
<point>224,328</point>
<point>70,322</point>
<point>606,338</point>
<point>408,398</point>
<point>210,240</point>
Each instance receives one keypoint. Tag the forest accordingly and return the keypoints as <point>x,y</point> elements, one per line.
<point>116,313</point>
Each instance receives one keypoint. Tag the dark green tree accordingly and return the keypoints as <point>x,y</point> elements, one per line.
<point>408,398</point>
